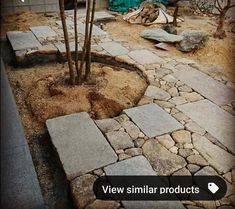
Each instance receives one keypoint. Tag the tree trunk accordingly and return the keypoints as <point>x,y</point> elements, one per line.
<point>175,15</point>
<point>76,43</point>
<point>88,55</point>
<point>84,51</point>
<point>66,39</point>
<point>220,33</point>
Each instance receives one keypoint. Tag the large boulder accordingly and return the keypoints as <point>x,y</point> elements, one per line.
<point>192,40</point>
<point>160,35</point>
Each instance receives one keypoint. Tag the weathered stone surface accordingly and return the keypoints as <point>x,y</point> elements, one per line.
<point>213,119</point>
<point>138,165</point>
<point>191,97</point>
<point>182,172</point>
<point>206,86</point>
<point>206,204</point>
<point>166,141</point>
<point>103,204</point>
<point>198,160</point>
<point>152,120</point>
<point>47,49</point>
<point>145,57</point>
<point>182,136</point>
<point>161,72</point>
<point>80,144</point>
<point>163,46</point>
<point>164,104</point>
<point>22,40</point>
<point>193,168</point>
<point>123,156</point>
<point>131,129</point>
<point>119,140</point>
<point>192,40</point>
<point>170,79</point>
<point>82,190</point>
<point>95,32</point>
<point>188,146</point>
<point>185,152</point>
<point>43,32</point>
<point>185,88</point>
<point>62,49</point>
<point>173,91</point>
<point>226,207</point>
<point>114,48</point>
<point>206,171</point>
<point>174,149</point>
<point>180,116</point>
<point>107,125</point>
<point>157,93</point>
<point>195,128</point>
<point>160,35</point>
<point>221,160</point>
<point>133,151</point>
<point>139,142</point>
<point>178,100</point>
<point>163,161</point>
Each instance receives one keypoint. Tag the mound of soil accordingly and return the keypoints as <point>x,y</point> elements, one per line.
<point>42,94</point>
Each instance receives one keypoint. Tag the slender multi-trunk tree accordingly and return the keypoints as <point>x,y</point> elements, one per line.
<point>175,15</point>
<point>66,39</point>
<point>76,43</point>
<point>222,6</point>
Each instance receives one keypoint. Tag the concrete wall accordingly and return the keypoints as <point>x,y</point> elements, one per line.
<point>13,6</point>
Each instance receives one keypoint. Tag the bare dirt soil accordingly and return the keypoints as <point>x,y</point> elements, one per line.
<point>217,55</point>
<point>41,93</point>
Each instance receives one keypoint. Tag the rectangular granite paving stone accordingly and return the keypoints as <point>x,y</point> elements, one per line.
<point>213,119</point>
<point>114,48</point>
<point>96,31</point>
<point>145,57</point>
<point>206,86</point>
<point>153,120</point>
<point>62,49</point>
<point>22,40</point>
<point>80,144</point>
<point>43,32</point>
<point>139,166</point>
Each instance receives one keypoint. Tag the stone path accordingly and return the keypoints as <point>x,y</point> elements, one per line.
<point>183,125</point>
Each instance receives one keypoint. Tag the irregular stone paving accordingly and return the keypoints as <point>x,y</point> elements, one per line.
<point>43,32</point>
<point>174,130</point>
<point>215,120</point>
<point>79,143</point>
<point>152,120</point>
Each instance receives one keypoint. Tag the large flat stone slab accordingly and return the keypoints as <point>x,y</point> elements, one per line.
<point>153,120</point>
<point>145,57</point>
<point>114,48</point>
<point>139,166</point>
<point>206,86</point>
<point>61,47</point>
<point>213,119</point>
<point>43,32</point>
<point>80,144</point>
<point>218,158</point>
<point>22,40</point>
<point>96,31</point>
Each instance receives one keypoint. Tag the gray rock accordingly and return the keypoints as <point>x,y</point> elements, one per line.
<point>23,40</point>
<point>185,89</point>
<point>161,72</point>
<point>173,91</point>
<point>221,160</point>
<point>164,104</point>
<point>169,28</point>
<point>114,48</point>
<point>82,190</point>
<point>107,125</point>
<point>163,46</point>
<point>163,161</point>
<point>192,40</point>
<point>157,93</point>
<point>139,142</point>
<point>182,136</point>
<point>119,140</point>
<point>174,149</point>
<point>198,160</point>
<point>153,120</point>
<point>80,144</point>
<point>182,172</point>
<point>178,100</point>
<point>195,128</point>
<point>136,166</point>
<point>123,156</point>
<point>206,86</point>
<point>206,171</point>
<point>191,97</point>
<point>166,141</point>
<point>43,32</point>
<point>213,119</point>
<point>193,168</point>
<point>133,151</point>
<point>144,57</point>
<point>131,129</point>
<point>95,32</point>
<point>103,204</point>
<point>180,116</point>
<point>160,35</point>
<point>185,152</point>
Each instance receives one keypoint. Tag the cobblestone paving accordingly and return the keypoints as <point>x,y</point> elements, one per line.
<point>194,145</point>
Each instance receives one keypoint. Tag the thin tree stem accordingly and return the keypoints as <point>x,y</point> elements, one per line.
<point>76,42</point>
<point>66,39</point>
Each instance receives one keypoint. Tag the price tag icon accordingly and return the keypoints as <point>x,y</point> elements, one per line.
<point>213,187</point>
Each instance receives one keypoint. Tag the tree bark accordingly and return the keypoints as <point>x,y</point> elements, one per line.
<point>66,39</point>
<point>84,51</point>
<point>88,55</point>
<point>76,43</point>
<point>220,33</point>
<point>175,15</point>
